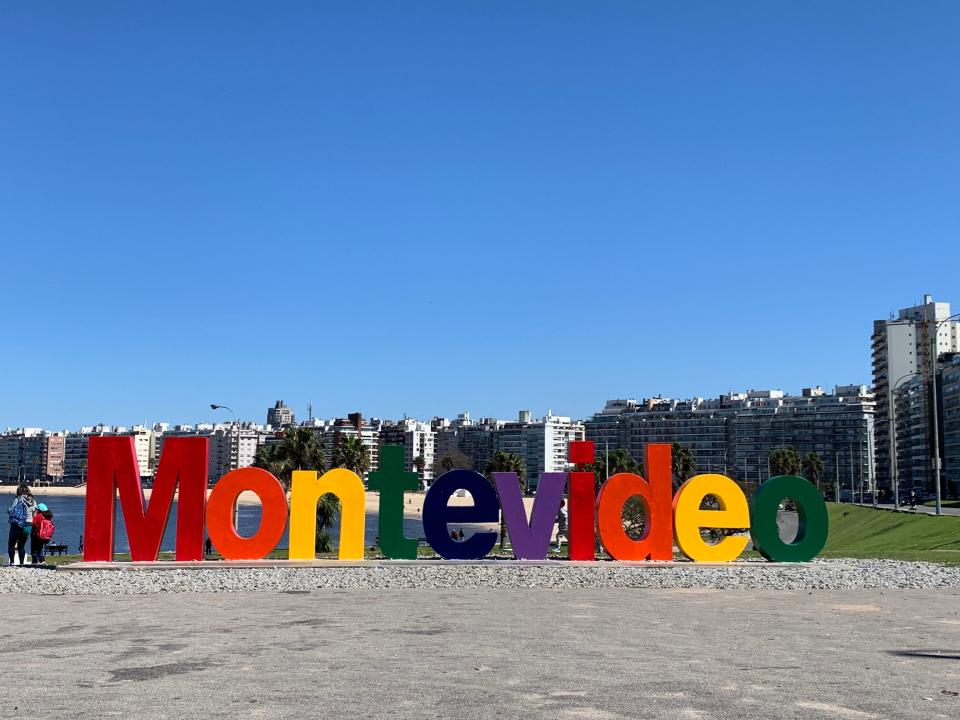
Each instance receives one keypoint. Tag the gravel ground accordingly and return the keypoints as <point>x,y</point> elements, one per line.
<point>821,575</point>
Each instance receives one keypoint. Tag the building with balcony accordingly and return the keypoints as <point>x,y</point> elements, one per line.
<point>901,348</point>
<point>735,433</point>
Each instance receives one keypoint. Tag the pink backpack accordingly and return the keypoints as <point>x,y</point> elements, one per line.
<point>45,530</point>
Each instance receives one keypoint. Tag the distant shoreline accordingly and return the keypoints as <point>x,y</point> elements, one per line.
<point>246,497</point>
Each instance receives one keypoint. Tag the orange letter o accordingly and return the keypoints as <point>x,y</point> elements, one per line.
<point>273,519</point>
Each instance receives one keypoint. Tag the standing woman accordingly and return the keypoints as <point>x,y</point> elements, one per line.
<point>20,515</point>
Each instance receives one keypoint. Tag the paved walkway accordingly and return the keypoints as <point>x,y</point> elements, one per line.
<point>564,655</point>
<point>919,509</point>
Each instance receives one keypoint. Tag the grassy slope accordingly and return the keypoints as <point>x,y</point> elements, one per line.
<point>859,532</point>
<point>868,533</point>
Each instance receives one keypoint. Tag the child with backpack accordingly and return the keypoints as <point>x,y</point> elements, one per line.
<point>43,528</point>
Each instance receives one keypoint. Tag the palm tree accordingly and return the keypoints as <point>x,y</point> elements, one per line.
<point>503,461</point>
<point>420,463</point>
<point>617,460</point>
<point>352,454</point>
<point>683,463</point>
<point>301,449</point>
<point>451,460</point>
<point>813,468</point>
<point>270,458</point>
<point>784,461</point>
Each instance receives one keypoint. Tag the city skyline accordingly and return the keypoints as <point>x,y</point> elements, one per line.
<point>225,419</point>
<point>736,433</point>
<point>499,203</point>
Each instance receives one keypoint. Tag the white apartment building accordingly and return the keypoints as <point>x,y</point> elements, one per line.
<point>418,439</point>
<point>353,425</point>
<point>145,443</point>
<point>901,348</point>
<point>541,443</point>
<point>228,447</point>
<point>77,443</point>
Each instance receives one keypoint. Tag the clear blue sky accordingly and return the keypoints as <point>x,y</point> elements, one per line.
<point>424,208</point>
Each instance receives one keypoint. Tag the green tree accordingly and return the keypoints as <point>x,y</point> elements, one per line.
<point>503,461</point>
<point>302,449</point>
<point>813,468</point>
<point>420,463</point>
<point>451,460</point>
<point>784,461</point>
<point>270,458</point>
<point>682,463</point>
<point>352,454</point>
<point>619,460</point>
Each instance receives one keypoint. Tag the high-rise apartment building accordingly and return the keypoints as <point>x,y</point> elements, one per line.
<point>950,424</point>
<point>736,433</point>
<point>280,416</point>
<point>541,443</point>
<point>418,440</point>
<point>352,426</point>
<point>31,455</point>
<point>838,427</point>
<point>475,440</point>
<point>75,452</point>
<point>902,349</point>
<point>914,437</point>
<point>11,454</point>
<point>145,444</point>
<point>911,402</point>
<point>228,446</point>
<point>53,456</point>
<point>232,447</point>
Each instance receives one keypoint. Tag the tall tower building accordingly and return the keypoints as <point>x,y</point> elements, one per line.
<point>280,416</point>
<point>901,350</point>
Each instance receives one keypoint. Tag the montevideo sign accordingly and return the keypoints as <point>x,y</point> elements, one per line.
<point>112,469</point>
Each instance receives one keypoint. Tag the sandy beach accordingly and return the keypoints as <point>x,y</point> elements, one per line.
<point>246,498</point>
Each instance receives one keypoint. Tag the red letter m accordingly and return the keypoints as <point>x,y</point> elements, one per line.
<point>112,464</point>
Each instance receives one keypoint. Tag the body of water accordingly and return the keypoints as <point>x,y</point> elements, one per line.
<point>68,518</point>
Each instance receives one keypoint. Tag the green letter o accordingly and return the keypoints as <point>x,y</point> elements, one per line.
<point>812,511</point>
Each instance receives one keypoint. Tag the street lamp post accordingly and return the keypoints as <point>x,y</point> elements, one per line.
<point>933,407</point>
<point>236,423</point>
<point>772,450</point>
<point>606,459</point>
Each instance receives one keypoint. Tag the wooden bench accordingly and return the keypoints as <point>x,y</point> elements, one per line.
<point>56,549</point>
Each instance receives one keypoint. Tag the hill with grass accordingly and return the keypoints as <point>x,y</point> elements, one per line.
<point>864,532</point>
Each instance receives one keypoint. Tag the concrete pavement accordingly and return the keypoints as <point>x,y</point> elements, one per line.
<point>923,509</point>
<point>595,654</point>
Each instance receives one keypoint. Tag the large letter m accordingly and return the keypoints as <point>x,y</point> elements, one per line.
<point>112,465</point>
